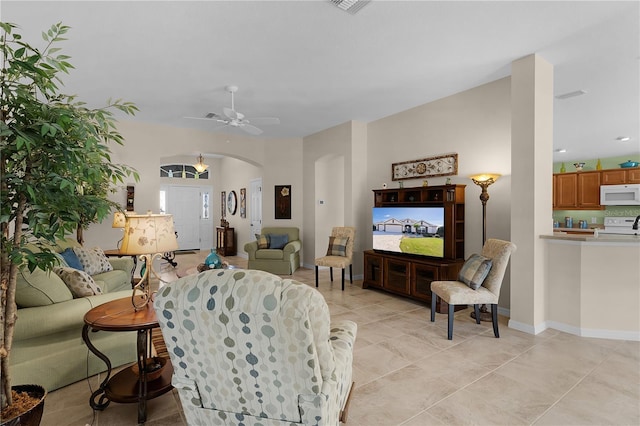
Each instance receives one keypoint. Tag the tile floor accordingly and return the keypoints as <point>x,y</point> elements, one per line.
<point>407,372</point>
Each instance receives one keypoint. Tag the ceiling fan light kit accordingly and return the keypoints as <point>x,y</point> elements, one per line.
<point>233,118</point>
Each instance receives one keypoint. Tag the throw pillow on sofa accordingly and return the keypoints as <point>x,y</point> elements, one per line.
<point>263,241</point>
<point>277,241</point>
<point>71,258</point>
<point>79,282</point>
<point>93,260</point>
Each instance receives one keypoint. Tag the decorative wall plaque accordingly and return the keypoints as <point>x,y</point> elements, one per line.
<point>441,165</point>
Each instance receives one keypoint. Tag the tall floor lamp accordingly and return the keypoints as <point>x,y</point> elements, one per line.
<point>484,181</point>
<point>149,236</point>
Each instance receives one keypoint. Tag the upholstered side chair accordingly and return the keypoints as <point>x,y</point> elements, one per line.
<point>248,347</point>
<point>339,253</point>
<point>459,293</point>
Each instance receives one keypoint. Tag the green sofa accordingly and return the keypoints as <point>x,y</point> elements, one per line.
<point>277,261</point>
<point>47,347</point>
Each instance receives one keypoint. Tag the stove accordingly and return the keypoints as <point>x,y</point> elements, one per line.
<point>619,225</point>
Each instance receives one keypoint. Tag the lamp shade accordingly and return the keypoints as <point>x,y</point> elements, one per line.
<point>147,234</point>
<point>487,178</point>
<point>118,220</point>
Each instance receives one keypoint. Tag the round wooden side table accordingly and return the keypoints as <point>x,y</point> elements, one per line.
<point>125,386</point>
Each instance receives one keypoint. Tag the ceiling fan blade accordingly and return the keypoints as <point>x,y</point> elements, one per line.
<point>215,118</point>
<point>230,113</point>
<point>265,120</point>
<point>251,129</point>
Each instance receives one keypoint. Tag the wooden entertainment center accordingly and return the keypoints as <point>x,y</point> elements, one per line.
<point>411,275</point>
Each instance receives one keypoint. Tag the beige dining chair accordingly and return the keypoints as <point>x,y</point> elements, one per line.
<point>460,293</point>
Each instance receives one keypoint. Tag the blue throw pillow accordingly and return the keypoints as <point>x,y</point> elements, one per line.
<point>475,270</point>
<point>278,241</point>
<point>72,259</point>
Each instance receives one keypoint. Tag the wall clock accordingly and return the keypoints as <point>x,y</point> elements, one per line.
<point>232,202</point>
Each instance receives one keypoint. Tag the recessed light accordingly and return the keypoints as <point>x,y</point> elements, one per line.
<point>623,138</point>
<point>561,150</point>
<point>571,94</point>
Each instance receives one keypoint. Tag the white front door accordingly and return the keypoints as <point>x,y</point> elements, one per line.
<point>255,207</point>
<point>184,203</point>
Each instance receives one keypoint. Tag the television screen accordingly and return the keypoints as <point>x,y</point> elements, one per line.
<point>410,230</point>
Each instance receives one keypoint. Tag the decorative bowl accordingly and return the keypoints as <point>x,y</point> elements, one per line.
<point>154,368</point>
<point>629,163</point>
<point>578,166</point>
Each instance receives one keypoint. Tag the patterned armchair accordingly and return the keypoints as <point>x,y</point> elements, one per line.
<point>251,348</point>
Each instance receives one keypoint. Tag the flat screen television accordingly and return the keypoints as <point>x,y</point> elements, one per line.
<point>409,230</point>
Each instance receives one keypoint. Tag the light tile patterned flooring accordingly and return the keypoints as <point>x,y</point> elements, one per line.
<point>408,373</point>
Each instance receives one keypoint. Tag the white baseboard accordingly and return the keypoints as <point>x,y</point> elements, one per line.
<point>576,331</point>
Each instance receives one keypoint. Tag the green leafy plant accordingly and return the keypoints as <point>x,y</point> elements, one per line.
<point>55,166</point>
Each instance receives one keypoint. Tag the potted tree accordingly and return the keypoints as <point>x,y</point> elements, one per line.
<point>55,166</point>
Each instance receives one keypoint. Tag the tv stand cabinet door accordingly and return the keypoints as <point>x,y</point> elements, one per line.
<point>421,277</point>
<point>397,275</point>
<point>373,270</point>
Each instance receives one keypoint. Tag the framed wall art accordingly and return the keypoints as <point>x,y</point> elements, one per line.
<point>223,204</point>
<point>283,201</point>
<point>243,202</point>
<point>441,165</point>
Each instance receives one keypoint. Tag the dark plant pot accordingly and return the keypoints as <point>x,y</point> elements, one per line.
<point>33,416</point>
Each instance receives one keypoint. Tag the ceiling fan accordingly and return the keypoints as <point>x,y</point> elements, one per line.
<point>233,118</point>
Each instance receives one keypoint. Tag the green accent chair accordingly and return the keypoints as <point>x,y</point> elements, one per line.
<point>282,261</point>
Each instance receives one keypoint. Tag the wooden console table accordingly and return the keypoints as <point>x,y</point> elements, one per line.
<point>125,386</point>
<point>226,241</point>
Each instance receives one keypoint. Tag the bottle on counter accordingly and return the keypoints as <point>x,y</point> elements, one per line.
<point>568,222</point>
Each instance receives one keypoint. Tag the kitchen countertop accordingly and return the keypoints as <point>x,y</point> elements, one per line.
<point>601,238</point>
<point>589,230</point>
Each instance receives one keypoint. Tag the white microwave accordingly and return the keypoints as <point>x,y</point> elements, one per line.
<point>620,195</point>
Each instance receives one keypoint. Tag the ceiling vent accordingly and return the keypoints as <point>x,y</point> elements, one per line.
<point>351,6</point>
<point>571,94</point>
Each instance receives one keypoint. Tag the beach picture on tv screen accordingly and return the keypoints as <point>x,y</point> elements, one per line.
<point>410,230</point>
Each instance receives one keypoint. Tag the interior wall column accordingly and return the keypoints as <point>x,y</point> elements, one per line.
<point>531,188</point>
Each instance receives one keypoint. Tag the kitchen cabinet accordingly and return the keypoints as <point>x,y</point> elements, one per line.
<point>581,190</point>
<point>577,191</point>
<point>633,176</point>
<point>566,191</point>
<point>620,176</point>
<point>614,177</point>
<point>589,190</point>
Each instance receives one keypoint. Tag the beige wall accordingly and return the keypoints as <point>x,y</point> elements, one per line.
<point>476,124</point>
<point>147,146</point>
<point>330,148</point>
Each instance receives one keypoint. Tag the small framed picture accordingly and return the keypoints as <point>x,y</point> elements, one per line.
<point>283,201</point>
<point>243,202</point>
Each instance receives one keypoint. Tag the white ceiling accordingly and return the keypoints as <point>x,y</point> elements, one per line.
<point>315,66</point>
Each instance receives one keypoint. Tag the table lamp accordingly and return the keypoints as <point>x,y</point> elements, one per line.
<point>484,181</point>
<point>118,222</point>
<point>148,236</point>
